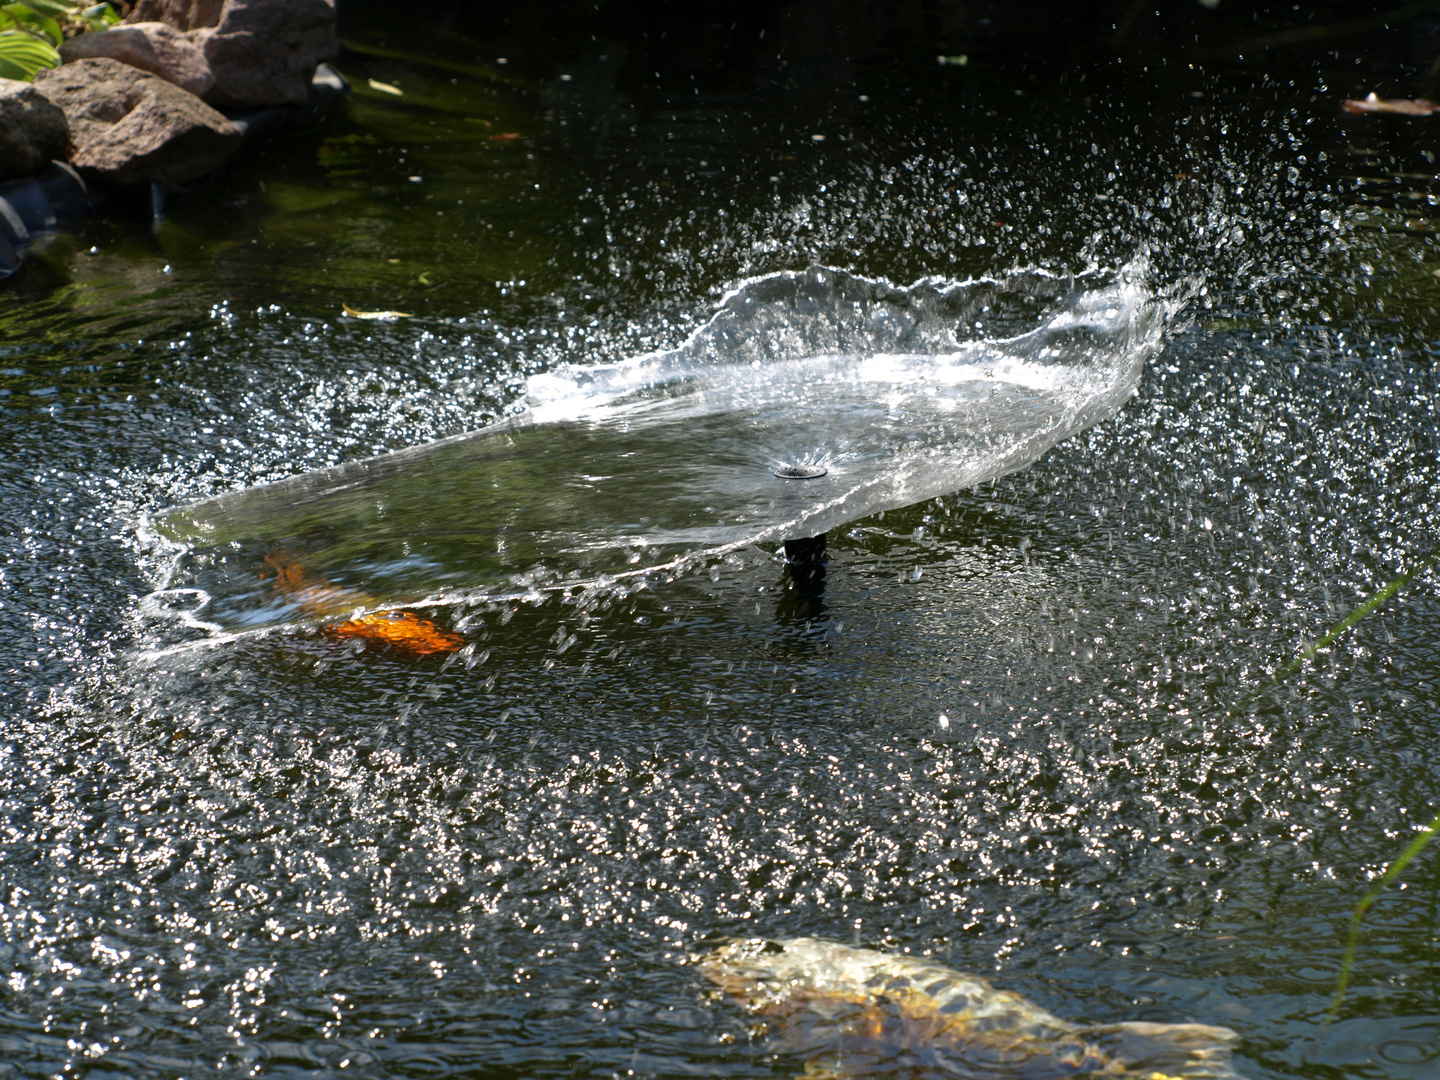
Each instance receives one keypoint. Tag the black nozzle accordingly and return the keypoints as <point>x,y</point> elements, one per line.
<point>805,556</point>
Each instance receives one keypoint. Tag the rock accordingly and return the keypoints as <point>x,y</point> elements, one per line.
<point>32,130</point>
<point>263,52</point>
<point>130,126</point>
<point>150,46</point>
<point>260,52</point>
<point>183,15</point>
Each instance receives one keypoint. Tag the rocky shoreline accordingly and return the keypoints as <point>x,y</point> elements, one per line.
<point>161,99</point>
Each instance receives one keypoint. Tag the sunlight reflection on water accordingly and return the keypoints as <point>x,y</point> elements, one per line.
<point>294,852</point>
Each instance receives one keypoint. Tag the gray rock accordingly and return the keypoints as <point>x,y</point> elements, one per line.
<point>150,46</point>
<point>130,126</point>
<point>260,52</point>
<point>183,15</point>
<point>263,52</point>
<point>32,130</point>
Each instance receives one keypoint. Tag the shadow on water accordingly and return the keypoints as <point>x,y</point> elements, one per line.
<point>293,854</point>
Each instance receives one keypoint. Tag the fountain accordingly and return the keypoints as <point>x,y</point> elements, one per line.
<point>807,401</point>
<point>267,813</point>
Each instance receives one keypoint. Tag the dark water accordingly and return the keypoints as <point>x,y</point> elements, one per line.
<point>287,857</point>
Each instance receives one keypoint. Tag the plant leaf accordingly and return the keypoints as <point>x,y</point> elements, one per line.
<point>382,315</point>
<point>1396,106</point>
<point>52,8</point>
<point>27,18</point>
<point>22,54</point>
<point>100,17</point>
<point>1393,871</point>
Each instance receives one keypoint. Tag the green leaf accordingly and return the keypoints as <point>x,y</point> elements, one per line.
<point>1391,873</point>
<point>23,54</point>
<point>52,8</point>
<point>99,17</point>
<point>35,23</point>
<point>1308,651</point>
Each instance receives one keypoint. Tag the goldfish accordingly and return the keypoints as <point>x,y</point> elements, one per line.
<point>858,1012</point>
<point>403,632</point>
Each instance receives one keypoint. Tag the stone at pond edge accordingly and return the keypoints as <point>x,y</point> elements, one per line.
<point>32,130</point>
<point>263,52</point>
<point>130,126</point>
<point>260,52</point>
<point>181,14</point>
<point>154,47</point>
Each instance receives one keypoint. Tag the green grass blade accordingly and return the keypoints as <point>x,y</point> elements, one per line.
<point>1340,628</point>
<point>1428,834</point>
<point>1394,870</point>
<point>1430,934</point>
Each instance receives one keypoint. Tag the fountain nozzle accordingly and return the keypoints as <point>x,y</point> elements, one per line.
<point>801,472</point>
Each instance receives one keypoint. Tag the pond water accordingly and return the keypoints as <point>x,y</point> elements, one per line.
<point>1012,730</point>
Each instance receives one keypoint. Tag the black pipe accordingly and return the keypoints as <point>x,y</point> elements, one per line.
<point>39,206</point>
<point>805,557</point>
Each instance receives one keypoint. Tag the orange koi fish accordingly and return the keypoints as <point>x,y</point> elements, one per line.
<point>402,631</point>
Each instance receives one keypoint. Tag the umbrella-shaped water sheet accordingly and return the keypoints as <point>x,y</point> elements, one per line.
<point>885,396</point>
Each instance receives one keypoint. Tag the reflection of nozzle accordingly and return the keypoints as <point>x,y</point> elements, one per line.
<point>805,557</point>
<point>803,599</point>
<point>36,207</point>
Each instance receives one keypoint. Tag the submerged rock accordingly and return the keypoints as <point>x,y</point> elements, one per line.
<point>857,1012</point>
<point>32,130</point>
<point>130,126</point>
<point>150,46</point>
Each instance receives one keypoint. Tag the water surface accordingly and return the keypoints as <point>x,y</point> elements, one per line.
<point>289,856</point>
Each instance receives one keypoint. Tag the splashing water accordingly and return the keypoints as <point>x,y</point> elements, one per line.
<point>619,468</point>
<point>296,854</point>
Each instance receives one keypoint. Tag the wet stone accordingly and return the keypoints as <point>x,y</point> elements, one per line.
<point>32,130</point>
